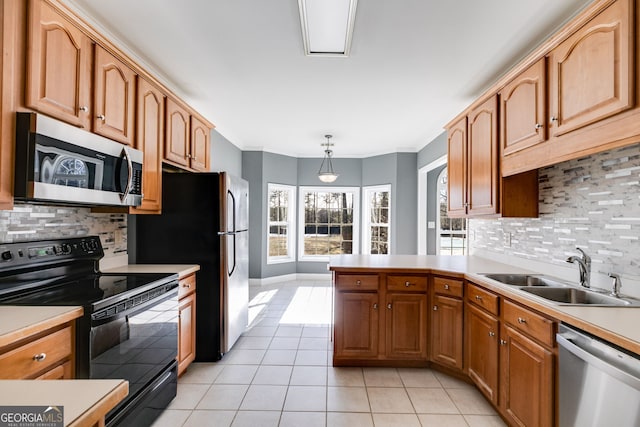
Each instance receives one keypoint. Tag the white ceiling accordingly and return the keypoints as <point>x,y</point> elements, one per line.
<point>414,65</point>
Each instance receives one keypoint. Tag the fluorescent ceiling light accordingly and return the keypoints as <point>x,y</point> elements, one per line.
<point>327,26</point>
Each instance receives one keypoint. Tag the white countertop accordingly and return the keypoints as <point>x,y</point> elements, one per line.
<point>618,325</point>
<point>17,322</point>
<point>181,269</point>
<point>84,401</point>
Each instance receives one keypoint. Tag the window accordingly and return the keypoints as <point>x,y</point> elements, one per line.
<point>328,222</point>
<point>281,226</point>
<point>451,232</point>
<point>377,211</point>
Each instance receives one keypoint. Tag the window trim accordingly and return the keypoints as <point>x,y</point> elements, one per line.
<point>366,216</point>
<point>465,249</point>
<point>290,223</point>
<point>356,219</point>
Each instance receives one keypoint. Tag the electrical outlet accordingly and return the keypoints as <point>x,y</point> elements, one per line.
<point>507,239</point>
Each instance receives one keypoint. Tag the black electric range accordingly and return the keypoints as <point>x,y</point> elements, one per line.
<point>130,322</point>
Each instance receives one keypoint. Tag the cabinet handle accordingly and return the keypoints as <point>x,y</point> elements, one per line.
<point>186,285</point>
<point>435,308</point>
<point>492,334</point>
<point>375,306</point>
<point>522,320</point>
<point>554,119</point>
<point>101,117</point>
<point>503,342</point>
<point>478,298</point>
<point>40,357</point>
<point>407,284</point>
<point>538,126</point>
<point>84,108</point>
<point>446,287</point>
<point>358,282</point>
<point>389,306</point>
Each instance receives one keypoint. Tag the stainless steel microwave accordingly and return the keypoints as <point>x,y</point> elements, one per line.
<point>59,163</point>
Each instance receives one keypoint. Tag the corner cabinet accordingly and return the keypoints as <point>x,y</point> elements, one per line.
<point>380,319</point>
<point>475,186</point>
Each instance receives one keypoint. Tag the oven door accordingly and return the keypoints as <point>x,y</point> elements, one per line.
<point>140,345</point>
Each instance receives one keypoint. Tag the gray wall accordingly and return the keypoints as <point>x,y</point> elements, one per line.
<point>260,169</point>
<point>225,157</point>
<point>433,150</point>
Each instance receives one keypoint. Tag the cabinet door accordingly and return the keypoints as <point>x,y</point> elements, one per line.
<point>406,326</point>
<point>356,325</point>
<point>176,144</point>
<point>482,351</point>
<point>149,140</point>
<point>59,58</point>
<point>457,169</point>
<point>200,147</point>
<point>482,162</point>
<point>114,98</point>
<point>186,332</point>
<point>60,372</point>
<point>526,365</point>
<point>523,112</point>
<point>446,331</point>
<point>591,73</point>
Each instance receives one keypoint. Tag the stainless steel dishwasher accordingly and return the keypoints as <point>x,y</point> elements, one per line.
<point>599,383</point>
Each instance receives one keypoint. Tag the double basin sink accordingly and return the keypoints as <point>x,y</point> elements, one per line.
<point>561,292</point>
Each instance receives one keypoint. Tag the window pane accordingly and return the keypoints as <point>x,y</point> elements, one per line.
<point>327,223</point>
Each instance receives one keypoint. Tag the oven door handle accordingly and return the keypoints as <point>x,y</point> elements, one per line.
<point>127,189</point>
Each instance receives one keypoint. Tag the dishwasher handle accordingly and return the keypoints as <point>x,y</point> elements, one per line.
<point>603,360</point>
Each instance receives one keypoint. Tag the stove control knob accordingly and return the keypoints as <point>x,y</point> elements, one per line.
<point>6,256</point>
<point>66,249</point>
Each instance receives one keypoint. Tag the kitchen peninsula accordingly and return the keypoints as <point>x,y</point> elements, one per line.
<point>442,311</point>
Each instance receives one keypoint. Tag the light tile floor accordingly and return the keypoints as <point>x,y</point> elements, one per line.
<point>279,373</point>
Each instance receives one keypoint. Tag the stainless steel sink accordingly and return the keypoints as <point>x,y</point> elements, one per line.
<point>574,296</point>
<point>525,280</point>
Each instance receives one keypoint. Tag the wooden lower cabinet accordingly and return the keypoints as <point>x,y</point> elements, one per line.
<point>186,322</point>
<point>526,380</point>
<point>446,331</point>
<point>482,347</point>
<point>406,326</point>
<point>356,325</point>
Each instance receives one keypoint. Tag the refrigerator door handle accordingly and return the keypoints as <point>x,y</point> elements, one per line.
<point>234,255</point>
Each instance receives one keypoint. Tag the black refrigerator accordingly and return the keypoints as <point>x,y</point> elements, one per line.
<point>204,221</point>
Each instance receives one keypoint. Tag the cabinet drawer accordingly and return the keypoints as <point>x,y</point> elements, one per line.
<point>21,363</point>
<point>532,324</point>
<point>444,286</point>
<point>406,283</point>
<point>482,298</point>
<point>187,285</point>
<point>363,282</point>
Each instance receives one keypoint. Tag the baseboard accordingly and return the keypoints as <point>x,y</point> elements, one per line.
<point>288,278</point>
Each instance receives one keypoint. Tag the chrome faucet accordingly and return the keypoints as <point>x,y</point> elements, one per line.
<point>584,266</point>
<point>617,284</point>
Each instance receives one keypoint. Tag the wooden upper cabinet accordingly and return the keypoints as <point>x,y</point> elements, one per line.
<point>523,113</point>
<point>150,139</point>
<point>591,72</point>
<point>457,169</point>
<point>200,146</point>
<point>114,98</point>
<point>482,160</point>
<point>59,58</point>
<point>176,145</point>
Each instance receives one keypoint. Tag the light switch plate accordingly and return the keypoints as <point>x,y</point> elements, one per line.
<point>431,225</point>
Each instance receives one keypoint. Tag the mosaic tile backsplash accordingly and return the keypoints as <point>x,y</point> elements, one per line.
<point>37,222</point>
<point>592,202</point>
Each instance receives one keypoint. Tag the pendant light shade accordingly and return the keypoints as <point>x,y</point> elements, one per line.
<point>326,173</point>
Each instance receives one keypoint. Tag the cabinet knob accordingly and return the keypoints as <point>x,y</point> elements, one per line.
<point>407,284</point>
<point>503,342</point>
<point>40,357</point>
<point>538,126</point>
<point>435,308</point>
<point>101,117</point>
<point>478,298</point>
<point>554,119</point>
<point>186,285</point>
<point>375,306</point>
<point>522,320</point>
<point>446,287</point>
<point>389,306</point>
<point>358,282</point>
<point>492,334</point>
<point>84,108</point>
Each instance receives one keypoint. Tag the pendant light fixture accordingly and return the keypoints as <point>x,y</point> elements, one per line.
<point>326,173</point>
